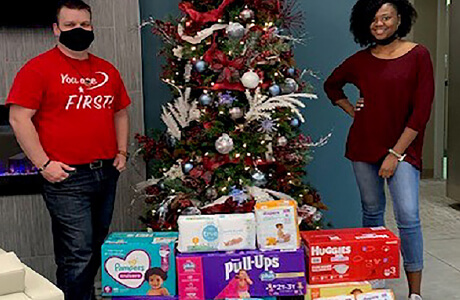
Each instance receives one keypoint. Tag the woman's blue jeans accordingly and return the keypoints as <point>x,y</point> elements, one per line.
<point>404,190</point>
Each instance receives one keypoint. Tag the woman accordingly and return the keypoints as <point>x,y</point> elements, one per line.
<point>395,79</point>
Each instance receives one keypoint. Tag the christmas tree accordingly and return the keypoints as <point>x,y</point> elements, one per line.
<point>233,135</point>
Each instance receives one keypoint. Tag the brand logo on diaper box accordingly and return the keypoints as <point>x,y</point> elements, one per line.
<point>189,266</point>
<point>319,251</point>
<point>128,271</point>
<point>248,263</point>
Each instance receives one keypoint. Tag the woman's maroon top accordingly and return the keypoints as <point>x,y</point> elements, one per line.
<point>398,93</point>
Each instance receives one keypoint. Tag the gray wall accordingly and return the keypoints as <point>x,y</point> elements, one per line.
<point>24,220</point>
<point>328,43</point>
<point>453,143</point>
<point>425,32</point>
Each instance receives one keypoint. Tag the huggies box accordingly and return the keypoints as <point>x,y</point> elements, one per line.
<point>346,255</point>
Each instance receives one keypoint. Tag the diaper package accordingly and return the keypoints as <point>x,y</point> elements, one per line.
<point>321,291</point>
<point>356,254</point>
<point>209,233</point>
<point>377,295</point>
<point>241,274</point>
<point>344,297</point>
<point>237,232</point>
<point>198,234</point>
<point>139,264</point>
<point>277,225</point>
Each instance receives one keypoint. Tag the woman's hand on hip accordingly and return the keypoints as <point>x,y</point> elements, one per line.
<point>389,166</point>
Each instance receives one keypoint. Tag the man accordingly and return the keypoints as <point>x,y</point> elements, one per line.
<point>68,111</point>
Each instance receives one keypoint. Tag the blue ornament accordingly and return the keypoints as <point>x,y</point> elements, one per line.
<point>291,71</point>
<point>295,122</point>
<point>226,99</point>
<point>200,66</point>
<point>187,167</point>
<point>205,99</point>
<point>274,90</point>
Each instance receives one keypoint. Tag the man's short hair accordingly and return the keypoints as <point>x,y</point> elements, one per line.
<point>72,4</point>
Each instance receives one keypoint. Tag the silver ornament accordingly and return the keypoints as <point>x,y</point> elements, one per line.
<point>205,99</point>
<point>282,141</point>
<point>290,86</point>
<point>187,167</point>
<point>295,122</point>
<point>250,80</point>
<point>200,66</point>
<point>191,211</point>
<point>247,14</point>
<point>224,144</point>
<point>258,178</point>
<point>211,193</point>
<point>235,31</point>
<point>236,113</point>
<point>274,90</point>
<point>317,216</point>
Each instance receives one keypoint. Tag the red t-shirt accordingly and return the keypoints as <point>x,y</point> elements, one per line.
<point>74,120</point>
<point>398,93</point>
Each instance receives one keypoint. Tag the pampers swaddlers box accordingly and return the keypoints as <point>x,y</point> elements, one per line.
<point>242,274</point>
<point>139,263</point>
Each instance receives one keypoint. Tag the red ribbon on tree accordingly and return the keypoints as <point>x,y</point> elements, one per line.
<point>229,77</point>
<point>204,17</point>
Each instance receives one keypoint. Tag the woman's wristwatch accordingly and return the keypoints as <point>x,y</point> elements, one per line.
<point>400,157</point>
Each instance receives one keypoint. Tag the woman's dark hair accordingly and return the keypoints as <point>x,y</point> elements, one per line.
<point>363,14</point>
<point>155,271</point>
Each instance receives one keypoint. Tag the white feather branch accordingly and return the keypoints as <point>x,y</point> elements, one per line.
<point>260,106</point>
<point>178,115</point>
<point>201,35</point>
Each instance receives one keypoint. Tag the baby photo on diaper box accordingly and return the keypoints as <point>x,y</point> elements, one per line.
<point>139,264</point>
<point>277,227</point>
<point>225,232</point>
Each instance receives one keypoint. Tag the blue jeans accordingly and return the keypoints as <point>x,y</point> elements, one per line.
<point>404,189</point>
<point>81,209</point>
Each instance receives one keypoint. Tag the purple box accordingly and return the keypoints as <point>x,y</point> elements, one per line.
<point>146,298</point>
<point>242,274</point>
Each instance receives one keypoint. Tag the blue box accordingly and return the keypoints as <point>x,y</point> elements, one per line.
<point>139,264</point>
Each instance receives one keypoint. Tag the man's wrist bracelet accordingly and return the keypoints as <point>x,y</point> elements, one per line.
<point>124,153</point>
<point>41,169</point>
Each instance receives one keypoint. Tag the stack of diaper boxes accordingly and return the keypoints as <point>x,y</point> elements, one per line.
<point>339,262</point>
<point>232,266</point>
<point>249,255</point>
<point>19,282</point>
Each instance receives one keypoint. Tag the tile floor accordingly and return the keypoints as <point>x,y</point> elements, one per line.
<point>441,229</point>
